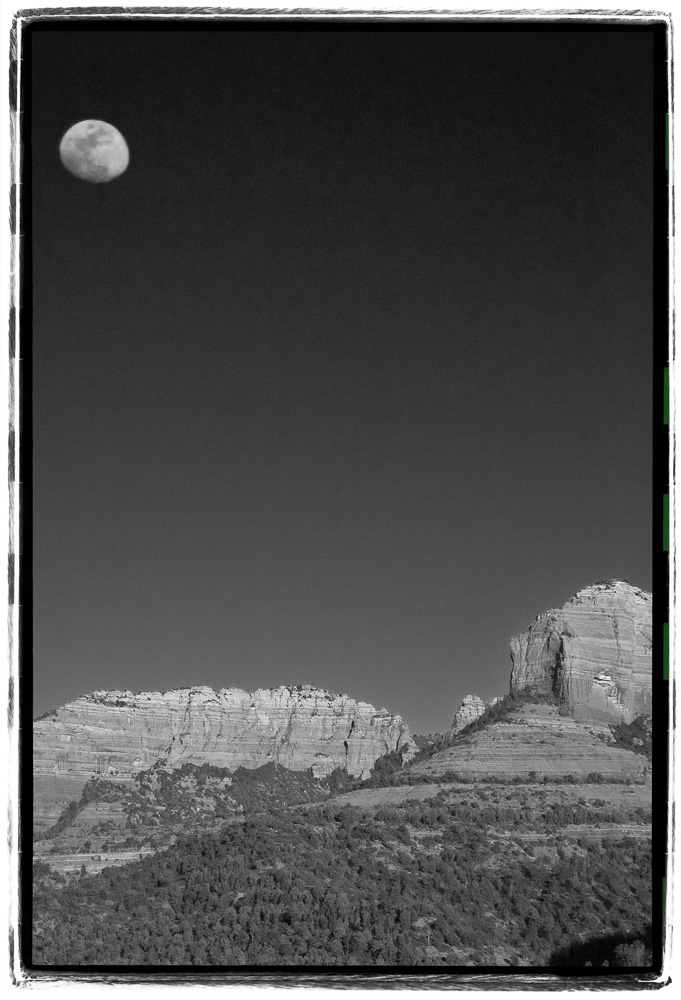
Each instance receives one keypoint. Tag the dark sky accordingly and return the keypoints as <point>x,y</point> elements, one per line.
<point>349,375</point>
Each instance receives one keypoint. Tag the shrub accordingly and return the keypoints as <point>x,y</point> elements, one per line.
<point>636,736</point>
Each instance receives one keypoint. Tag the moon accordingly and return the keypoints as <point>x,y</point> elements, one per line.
<point>94,151</point>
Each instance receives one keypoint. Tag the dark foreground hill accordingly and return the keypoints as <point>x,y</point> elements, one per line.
<point>459,879</point>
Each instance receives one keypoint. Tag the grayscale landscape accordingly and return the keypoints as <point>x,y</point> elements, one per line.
<point>294,826</point>
<point>341,395</point>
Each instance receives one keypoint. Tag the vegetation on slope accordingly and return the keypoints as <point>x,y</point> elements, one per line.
<point>159,802</point>
<point>636,735</point>
<point>162,803</point>
<point>425,884</point>
<point>391,770</point>
<point>96,790</point>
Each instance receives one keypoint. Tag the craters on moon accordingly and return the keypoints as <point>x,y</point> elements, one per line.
<point>94,151</point>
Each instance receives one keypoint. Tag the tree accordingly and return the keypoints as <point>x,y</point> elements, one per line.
<point>635,954</point>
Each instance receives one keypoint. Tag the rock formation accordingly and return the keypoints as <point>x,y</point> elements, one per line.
<point>470,709</point>
<point>116,733</point>
<point>593,654</point>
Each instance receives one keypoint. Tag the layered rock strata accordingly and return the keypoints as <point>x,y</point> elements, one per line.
<point>593,654</point>
<point>535,740</point>
<point>116,733</point>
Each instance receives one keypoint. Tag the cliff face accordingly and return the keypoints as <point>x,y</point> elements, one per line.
<point>116,733</point>
<point>593,654</point>
<point>470,709</point>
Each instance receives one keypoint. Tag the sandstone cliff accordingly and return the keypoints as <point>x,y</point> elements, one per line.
<point>593,654</point>
<point>470,709</point>
<point>116,733</point>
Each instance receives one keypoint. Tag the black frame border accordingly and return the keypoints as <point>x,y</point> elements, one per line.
<point>168,19</point>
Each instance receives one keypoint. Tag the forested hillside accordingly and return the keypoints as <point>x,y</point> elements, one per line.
<point>161,803</point>
<point>425,884</point>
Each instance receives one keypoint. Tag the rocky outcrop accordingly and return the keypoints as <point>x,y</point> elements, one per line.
<point>593,654</point>
<point>116,733</point>
<point>470,709</point>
